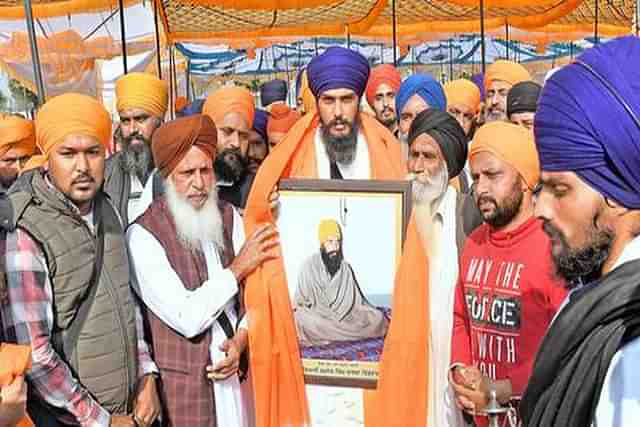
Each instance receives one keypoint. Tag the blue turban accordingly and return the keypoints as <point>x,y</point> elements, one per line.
<point>273,91</point>
<point>424,86</point>
<point>338,68</point>
<point>588,120</point>
<point>478,79</point>
<point>260,119</point>
<point>194,108</point>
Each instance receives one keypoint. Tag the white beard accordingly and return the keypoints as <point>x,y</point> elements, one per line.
<point>196,226</point>
<point>427,195</point>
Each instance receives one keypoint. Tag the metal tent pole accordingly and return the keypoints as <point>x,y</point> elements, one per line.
<point>482,43</point>
<point>450,60</point>
<point>123,37</point>
<point>35,56</point>
<point>637,17</point>
<point>595,30</point>
<point>395,32</point>
<point>187,80</point>
<point>155,22</point>
<point>506,30</point>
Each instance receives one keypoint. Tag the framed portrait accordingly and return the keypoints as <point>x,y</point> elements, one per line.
<point>342,242</point>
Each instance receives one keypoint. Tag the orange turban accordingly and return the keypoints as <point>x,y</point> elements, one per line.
<point>282,118</point>
<point>512,144</point>
<point>506,71</point>
<point>180,103</point>
<point>171,141</point>
<point>144,91</point>
<point>385,73</point>
<point>71,114</point>
<point>230,99</point>
<point>328,228</point>
<point>308,100</point>
<point>463,92</point>
<point>18,133</point>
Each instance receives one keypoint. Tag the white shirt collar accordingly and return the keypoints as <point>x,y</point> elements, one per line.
<point>631,252</point>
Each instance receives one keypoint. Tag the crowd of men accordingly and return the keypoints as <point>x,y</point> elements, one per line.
<point>124,277</point>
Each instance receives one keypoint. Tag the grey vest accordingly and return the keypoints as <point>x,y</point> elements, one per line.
<point>104,359</point>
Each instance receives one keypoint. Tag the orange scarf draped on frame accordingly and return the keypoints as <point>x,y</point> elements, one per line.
<point>275,357</point>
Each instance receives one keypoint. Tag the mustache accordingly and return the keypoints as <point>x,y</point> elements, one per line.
<point>82,179</point>
<point>135,136</point>
<point>551,231</point>
<point>488,199</point>
<point>337,122</point>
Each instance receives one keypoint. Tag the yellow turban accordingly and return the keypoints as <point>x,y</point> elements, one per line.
<point>463,92</point>
<point>506,71</point>
<point>144,91</point>
<point>230,99</point>
<point>328,228</point>
<point>512,144</point>
<point>18,133</point>
<point>71,114</point>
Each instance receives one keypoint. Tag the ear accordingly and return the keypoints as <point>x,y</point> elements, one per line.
<point>614,207</point>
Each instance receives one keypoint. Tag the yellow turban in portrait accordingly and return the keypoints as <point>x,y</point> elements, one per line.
<point>71,114</point>
<point>18,133</point>
<point>328,228</point>
<point>144,91</point>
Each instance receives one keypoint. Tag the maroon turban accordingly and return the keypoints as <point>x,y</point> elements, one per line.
<point>172,141</point>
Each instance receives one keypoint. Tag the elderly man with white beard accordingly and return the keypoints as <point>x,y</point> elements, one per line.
<point>437,154</point>
<point>189,279</point>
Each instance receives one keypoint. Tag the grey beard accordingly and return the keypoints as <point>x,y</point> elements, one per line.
<point>431,191</point>
<point>137,160</point>
<point>343,149</point>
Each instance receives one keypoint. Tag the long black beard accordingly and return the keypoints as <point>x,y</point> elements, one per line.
<point>340,149</point>
<point>137,159</point>
<point>332,263</point>
<point>505,213</point>
<point>583,263</point>
<point>230,165</point>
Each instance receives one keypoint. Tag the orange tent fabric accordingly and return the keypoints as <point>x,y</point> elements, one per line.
<point>275,357</point>
<point>15,360</point>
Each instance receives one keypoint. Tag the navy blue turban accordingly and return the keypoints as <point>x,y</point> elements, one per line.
<point>426,87</point>
<point>273,91</point>
<point>338,68</point>
<point>478,79</point>
<point>260,119</point>
<point>194,108</point>
<point>588,120</point>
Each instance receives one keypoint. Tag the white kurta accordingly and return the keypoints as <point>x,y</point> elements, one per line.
<point>443,278</point>
<point>359,169</point>
<point>190,312</point>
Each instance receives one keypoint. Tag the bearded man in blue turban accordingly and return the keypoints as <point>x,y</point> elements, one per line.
<point>418,93</point>
<point>587,132</point>
<point>338,141</point>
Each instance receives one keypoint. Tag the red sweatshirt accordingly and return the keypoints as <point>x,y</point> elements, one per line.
<point>505,299</point>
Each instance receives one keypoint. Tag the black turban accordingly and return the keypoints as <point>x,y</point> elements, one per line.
<point>523,98</point>
<point>273,91</point>
<point>447,132</point>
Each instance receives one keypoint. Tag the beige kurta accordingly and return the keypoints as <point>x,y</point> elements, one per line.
<point>331,309</point>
